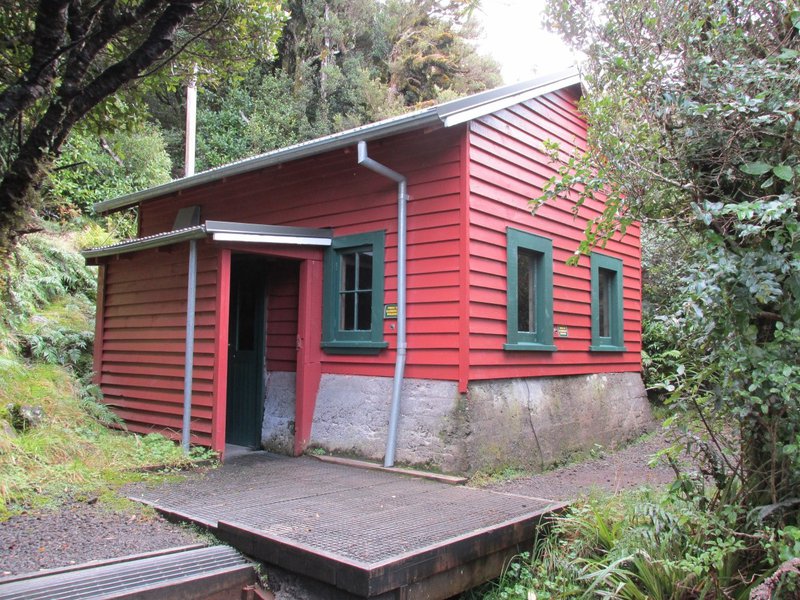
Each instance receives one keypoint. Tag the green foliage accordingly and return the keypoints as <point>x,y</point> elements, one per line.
<point>256,115</point>
<point>46,361</point>
<point>695,122</point>
<point>72,451</point>
<point>431,50</point>
<point>155,449</point>
<point>340,64</point>
<point>116,227</point>
<point>95,167</point>
<point>44,268</point>
<point>639,546</point>
<point>487,477</point>
<point>662,360</point>
<point>90,66</point>
<point>91,402</point>
<point>62,334</point>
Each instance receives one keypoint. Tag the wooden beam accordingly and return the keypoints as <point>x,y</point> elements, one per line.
<point>309,338</point>
<point>220,397</point>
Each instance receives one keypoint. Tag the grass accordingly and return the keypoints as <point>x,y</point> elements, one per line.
<point>488,477</point>
<point>46,331</point>
<point>71,452</point>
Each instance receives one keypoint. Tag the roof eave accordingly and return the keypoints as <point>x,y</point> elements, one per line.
<point>302,150</point>
<point>156,241</point>
<point>447,114</point>
<point>277,234</point>
<point>552,83</point>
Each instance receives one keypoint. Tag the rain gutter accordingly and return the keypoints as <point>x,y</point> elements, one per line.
<point>402,226</point>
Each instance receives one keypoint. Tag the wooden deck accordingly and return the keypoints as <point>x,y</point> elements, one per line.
<point>368,534</point>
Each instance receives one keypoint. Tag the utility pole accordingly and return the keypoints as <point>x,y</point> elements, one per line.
<point>191,124</point>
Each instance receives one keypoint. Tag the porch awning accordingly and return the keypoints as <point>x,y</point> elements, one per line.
<point>220,231</point>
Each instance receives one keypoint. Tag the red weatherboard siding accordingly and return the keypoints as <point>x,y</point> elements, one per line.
<point>144,328</point>
<point>282,295</point>
<point>331,190</point>
<point>508,168</point>
<point>466,185</point>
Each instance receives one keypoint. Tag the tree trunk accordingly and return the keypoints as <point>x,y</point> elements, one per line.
<point>77,93</point>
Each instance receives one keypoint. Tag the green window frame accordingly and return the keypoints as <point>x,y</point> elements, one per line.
<point>607,306</point>
<point>529,292</point>
<point>352,308</point>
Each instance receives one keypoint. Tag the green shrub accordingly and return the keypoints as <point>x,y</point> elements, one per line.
<point>44,268</point>
<point>663,362</point>
<point>641,545</point>
<point>63,334</point>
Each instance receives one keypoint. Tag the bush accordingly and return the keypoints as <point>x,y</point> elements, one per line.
<point>44,267</point>
<point>642,545</point>
<point>63,334</point>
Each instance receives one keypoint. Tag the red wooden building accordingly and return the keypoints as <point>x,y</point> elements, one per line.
<point>298,297</point>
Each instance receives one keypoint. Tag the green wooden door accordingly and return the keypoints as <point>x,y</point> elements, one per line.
<point>245,353</point>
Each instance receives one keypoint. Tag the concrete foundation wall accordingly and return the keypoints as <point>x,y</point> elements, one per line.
<point>529,423</point>
<point>352,417</point>
<point>277,430</point>
<point>536,422</point>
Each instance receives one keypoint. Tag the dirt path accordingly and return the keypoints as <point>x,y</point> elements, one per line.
<point>79,532</point>
<point>611,472</point>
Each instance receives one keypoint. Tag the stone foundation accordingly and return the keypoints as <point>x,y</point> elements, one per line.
<point>530,423</point>
<point>277,430</point>
<point>537,422</point>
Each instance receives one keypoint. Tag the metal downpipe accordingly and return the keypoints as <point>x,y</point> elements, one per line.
<point>191,295</point>
<point>400,363</point>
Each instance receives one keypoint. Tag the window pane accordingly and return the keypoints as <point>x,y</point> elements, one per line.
<point>364,311</point>
<point>347,316</point>
<point>526,291</point>
<point>355,293</point>
<point>364,271</point>
<point>353,285</point>
<point>348,282</point>
<point>605,281</point>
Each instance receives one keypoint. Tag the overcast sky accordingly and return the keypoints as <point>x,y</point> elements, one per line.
<point>514,36</point>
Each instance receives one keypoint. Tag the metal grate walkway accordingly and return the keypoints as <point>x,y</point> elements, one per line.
<point>192,574</point>
<point>366,532</point>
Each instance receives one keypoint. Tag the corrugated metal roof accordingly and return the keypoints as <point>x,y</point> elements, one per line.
<point>443,115</point>
<point>255,232</point>
<point>150,241</point>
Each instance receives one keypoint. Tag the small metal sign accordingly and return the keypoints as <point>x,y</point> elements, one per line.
<point>390,311</point>
<point>563,331</point>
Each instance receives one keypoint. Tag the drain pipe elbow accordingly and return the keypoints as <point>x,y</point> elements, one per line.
<point>402,346</point>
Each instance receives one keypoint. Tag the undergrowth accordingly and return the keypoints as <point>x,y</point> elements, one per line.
<point>642,545</point>
<point>46,333</point>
